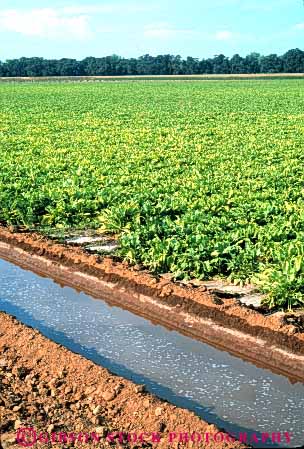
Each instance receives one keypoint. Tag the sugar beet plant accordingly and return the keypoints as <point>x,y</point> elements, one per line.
<point>202,179</point>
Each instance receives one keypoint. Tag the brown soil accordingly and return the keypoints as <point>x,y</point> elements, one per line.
<point>267,340</point>
<point>46,387</point>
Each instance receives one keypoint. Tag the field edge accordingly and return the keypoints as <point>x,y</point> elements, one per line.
<point>264,340</point>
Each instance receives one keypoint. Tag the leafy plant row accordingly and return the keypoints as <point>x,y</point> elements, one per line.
<point>201,179</point>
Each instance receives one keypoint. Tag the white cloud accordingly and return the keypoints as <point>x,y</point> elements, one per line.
<point>164,31</point>
<point>223,35</point>
<point>70,22</point>
<point>256,5</point>
<point>88,9</point>
<point>45,23</point>
<point>299,26</point>
<point>107,8</point>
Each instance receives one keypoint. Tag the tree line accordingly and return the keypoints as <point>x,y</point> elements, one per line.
<point>290,62</point>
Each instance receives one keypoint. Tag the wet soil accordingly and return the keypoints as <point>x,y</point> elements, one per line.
<point>46,387</point>
<point>192,299</point>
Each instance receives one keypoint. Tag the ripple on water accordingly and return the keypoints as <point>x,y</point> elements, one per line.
<point>221,388</point>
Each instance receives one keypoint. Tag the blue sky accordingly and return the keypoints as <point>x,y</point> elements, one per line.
<point>199,28</point>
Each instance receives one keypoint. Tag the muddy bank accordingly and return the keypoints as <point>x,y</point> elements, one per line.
<point>267,340</point>
<point>46,387</point>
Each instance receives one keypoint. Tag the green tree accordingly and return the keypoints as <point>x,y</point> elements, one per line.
<point>237,64</point>
<point>271,64</point>
<point>293,61</point>
<point>221,64</point>
<point>252,63</point>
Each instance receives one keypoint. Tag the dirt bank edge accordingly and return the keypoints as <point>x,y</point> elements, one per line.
<point>57,390</point>
<point>265,340</point>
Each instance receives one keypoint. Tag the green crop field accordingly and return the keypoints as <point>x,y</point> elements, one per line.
<point>201,179</point>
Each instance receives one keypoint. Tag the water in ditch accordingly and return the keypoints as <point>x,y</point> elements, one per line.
<point>222,389</point>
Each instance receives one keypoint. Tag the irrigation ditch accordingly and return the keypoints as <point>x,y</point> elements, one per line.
<point>236,368</point>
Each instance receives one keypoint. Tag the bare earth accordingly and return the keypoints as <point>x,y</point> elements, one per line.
<point>46,387</point>
<point>274,341</point>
